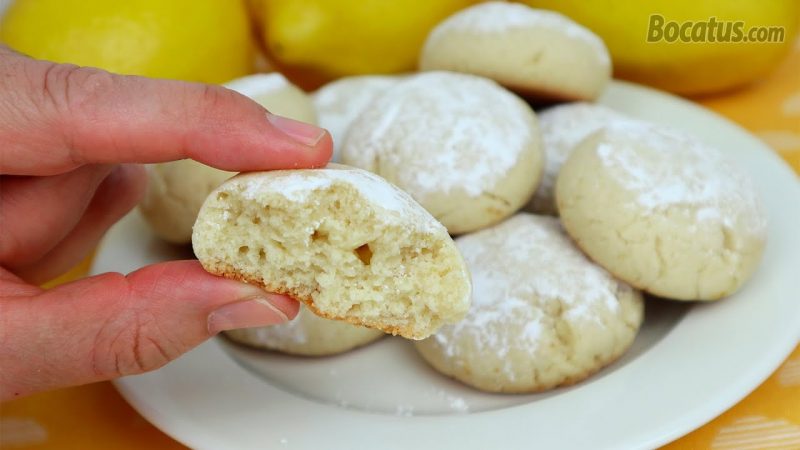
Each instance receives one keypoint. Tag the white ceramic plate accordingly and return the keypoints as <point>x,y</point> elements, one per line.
<point>688,364</point>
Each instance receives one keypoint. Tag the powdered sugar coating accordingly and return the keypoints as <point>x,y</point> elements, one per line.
<point>563,127</point>
<point>665,168</point>
<point>273,336</point>
<point>339,103</point>
<point>294,186</point>
<point>258,84</point>
<point>439,132</point>
<point>306,334</point>
<point>299,186</point>
<point>501,17</point>
<point>531,286</point>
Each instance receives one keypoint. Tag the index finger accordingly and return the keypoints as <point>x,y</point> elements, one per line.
<point>56,117</point>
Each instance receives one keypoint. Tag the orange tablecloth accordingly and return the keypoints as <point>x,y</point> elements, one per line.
<point>96,417</point>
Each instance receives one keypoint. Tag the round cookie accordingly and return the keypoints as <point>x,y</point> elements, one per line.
<point>465,148</point>
<point>563,127</point>
<point>537,53</point>
<point>662,211</point>
<point>177,189</point>
<point>306,335</point>
<point>341,240</point>
<point>543,315</point>
<point>338,103</point>
<point>175,192</point>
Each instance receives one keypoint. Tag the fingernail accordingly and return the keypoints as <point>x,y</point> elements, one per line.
<point>255,312</point>
<point>302,132</point>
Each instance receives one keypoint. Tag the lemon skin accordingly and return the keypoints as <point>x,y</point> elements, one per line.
<point>196,40</point>
<point>691,68</point>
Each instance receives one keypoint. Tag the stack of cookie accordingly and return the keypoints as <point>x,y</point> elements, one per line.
<point>564,219</point>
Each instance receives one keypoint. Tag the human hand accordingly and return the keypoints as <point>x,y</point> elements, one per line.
<point>70,141</point>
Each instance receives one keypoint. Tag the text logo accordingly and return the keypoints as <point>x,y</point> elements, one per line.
<point>712,30</point>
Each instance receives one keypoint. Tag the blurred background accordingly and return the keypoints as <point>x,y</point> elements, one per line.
<point>315,41</point>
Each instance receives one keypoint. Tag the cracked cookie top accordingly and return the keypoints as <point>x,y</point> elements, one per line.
<point>663,211</point>
<point>449,139</point>
<point>542,313</point>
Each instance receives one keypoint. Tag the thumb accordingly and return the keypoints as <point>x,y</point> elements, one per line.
<point>112,325</point>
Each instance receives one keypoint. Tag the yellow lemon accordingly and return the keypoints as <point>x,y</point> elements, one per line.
<point>197,40</point>
<point>679,55</point>
<point>327,39</point>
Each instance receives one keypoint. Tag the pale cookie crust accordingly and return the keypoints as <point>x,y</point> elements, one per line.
<point>563,127</point>
<point>537,53</point>
<point>306,335</point>
<point>662,211</point>
<point>543,315</point>
<point>339,103</point>
<point>349,245</point>
<point>177,189</point>
<point>465,148</point>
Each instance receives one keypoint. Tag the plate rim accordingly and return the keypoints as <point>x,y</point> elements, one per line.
<point>747,381</point>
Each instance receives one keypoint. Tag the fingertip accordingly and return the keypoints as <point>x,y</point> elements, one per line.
<point>313,145</point>
<point>223,290</point>
<point>286,304</point>
<point>301,132</point>
<point>324,150</point>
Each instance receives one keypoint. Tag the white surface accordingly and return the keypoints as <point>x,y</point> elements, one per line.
<point>688,365</point>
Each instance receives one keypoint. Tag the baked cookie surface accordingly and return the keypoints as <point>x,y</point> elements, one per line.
<point>543,315</point>
<point>539,54</point>
<point>563,127</point>
<point>343,241</point>
<point>177,189</point>
<point>306,335</point>
<point>465,148</point>
<point>662,211</point>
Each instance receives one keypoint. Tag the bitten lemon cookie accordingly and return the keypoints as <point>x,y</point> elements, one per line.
<point>176,189</point>
<point>536,53</point>
<point>338,103</point>
<point>563,127</point>
<point>542,315</point>
<point>465,148</point>
<point>175,192</point>
<point>307,335</point>
<point>343,241</point>
<point>662,211</point>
